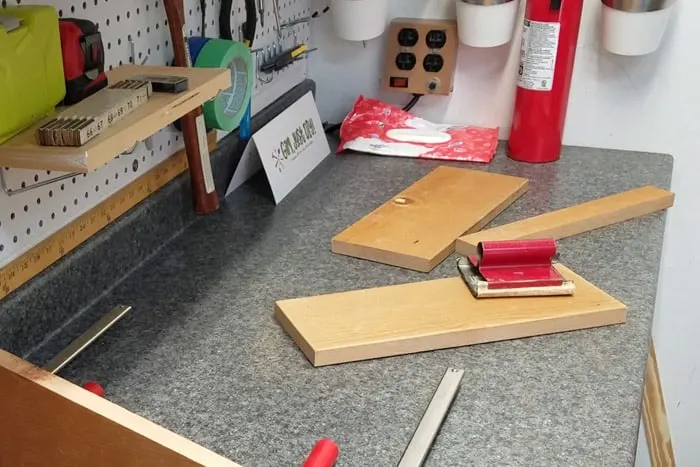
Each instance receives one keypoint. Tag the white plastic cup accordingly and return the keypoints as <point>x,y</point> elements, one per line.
<point>486,23</point>
<point>634,28</point>
<point>359,20</point>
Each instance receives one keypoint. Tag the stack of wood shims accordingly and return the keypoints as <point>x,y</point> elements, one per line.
<point>429,315</point>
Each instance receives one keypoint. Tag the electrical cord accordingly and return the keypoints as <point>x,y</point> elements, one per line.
<point>203,8</point>
<point>333,127</point>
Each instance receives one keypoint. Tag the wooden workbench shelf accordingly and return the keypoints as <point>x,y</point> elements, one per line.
<point>23,151</point>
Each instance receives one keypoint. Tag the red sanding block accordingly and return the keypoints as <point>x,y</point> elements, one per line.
<point>514,268</point>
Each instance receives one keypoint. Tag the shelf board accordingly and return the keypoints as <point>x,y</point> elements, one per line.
<point>23,151</point>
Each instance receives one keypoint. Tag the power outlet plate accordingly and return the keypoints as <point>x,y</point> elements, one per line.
<point>421,56</point>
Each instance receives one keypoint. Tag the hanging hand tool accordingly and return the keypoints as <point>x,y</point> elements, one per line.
<point>249,26</point>
<point>205,198</point>
<point>261,12</point>
<point>285,59</point>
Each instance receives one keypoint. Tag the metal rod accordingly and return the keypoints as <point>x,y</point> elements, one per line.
<point>87,338</point>
<point>11,192</point>
<point>417,450</point>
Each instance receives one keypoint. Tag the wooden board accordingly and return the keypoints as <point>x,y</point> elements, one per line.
<point>429,315</point>
<point>43,255</point>
<point>48,421</point>
<point>575,219</point>
<point>23,151</point>
<point>417,228</point>
<point>656,427</point>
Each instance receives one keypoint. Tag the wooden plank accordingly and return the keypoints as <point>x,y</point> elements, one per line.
<point>429,315</point>
<point>47,252</point>
<point>162,109</point>
<point>656,427</point>
<point>47,420</point>
<point>575,219</point>
<point>417,228</point>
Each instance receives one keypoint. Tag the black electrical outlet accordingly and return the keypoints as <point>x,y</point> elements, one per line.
<point>408,37</point>
<point>433,63</point>
<point>436,39</point>
<point>405,61</point>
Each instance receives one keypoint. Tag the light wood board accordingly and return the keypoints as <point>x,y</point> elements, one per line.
<point>417,228</point>
<point>656,427</point>
<point>575,219</point>
<point>23,151</point>
<point>429,315</point>
<point>43,255</point>
<point>48,421</point>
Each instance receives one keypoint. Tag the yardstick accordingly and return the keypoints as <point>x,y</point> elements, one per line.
<point>72,235</point>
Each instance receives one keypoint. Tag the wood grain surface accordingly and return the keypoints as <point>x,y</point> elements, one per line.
<point>575,219</point>
<point>417,228</point>
<point>48,421</point>
<point>429,315</point>
<point>656,427</point>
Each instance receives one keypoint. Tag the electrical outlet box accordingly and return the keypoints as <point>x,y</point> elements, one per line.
<point>421,56</point>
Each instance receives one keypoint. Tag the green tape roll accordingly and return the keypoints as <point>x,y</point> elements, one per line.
<point>226,110</point>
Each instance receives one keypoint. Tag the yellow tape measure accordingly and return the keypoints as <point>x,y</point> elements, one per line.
<point>38,258</point>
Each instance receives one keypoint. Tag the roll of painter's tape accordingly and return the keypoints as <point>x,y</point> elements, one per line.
<point>195,45</point>
<point>226,110</point>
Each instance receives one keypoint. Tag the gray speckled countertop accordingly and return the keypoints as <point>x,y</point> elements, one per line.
<point>202,354</point>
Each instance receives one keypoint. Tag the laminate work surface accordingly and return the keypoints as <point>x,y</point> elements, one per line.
<point>202,354</point>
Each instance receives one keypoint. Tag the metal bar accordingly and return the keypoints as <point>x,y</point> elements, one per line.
<point>11,192</point>
<point>417,450</point>
<point>87,338</point>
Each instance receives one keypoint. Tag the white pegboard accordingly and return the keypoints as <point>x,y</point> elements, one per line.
<point>29,217</point>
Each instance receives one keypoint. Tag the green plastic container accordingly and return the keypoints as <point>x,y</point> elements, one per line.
<point>31,68</point>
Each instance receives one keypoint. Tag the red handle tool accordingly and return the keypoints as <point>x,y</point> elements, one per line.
<point>324,454</point>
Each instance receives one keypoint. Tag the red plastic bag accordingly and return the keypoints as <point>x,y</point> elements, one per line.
<point>378,128</point>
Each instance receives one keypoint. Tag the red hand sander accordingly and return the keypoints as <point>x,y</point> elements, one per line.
<point>514,268</point>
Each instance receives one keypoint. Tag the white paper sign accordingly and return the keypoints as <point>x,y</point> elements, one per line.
<point>288,148</point>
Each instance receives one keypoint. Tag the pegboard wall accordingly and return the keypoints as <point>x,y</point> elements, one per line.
<point>136,31</point>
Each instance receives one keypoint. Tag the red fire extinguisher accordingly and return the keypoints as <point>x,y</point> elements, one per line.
<point>550,33</point>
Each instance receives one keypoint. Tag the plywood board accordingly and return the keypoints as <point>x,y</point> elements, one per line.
<point>417,228</point>
<point>656,426</point>
<point>575,219</point>
<point>430,315</point>
<point>48,421</point>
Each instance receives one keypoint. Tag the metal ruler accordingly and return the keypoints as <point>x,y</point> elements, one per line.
<point>418,448</point>
<point>43,255</point>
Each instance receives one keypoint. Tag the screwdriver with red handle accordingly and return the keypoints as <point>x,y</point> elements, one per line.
<point>324,454</point>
